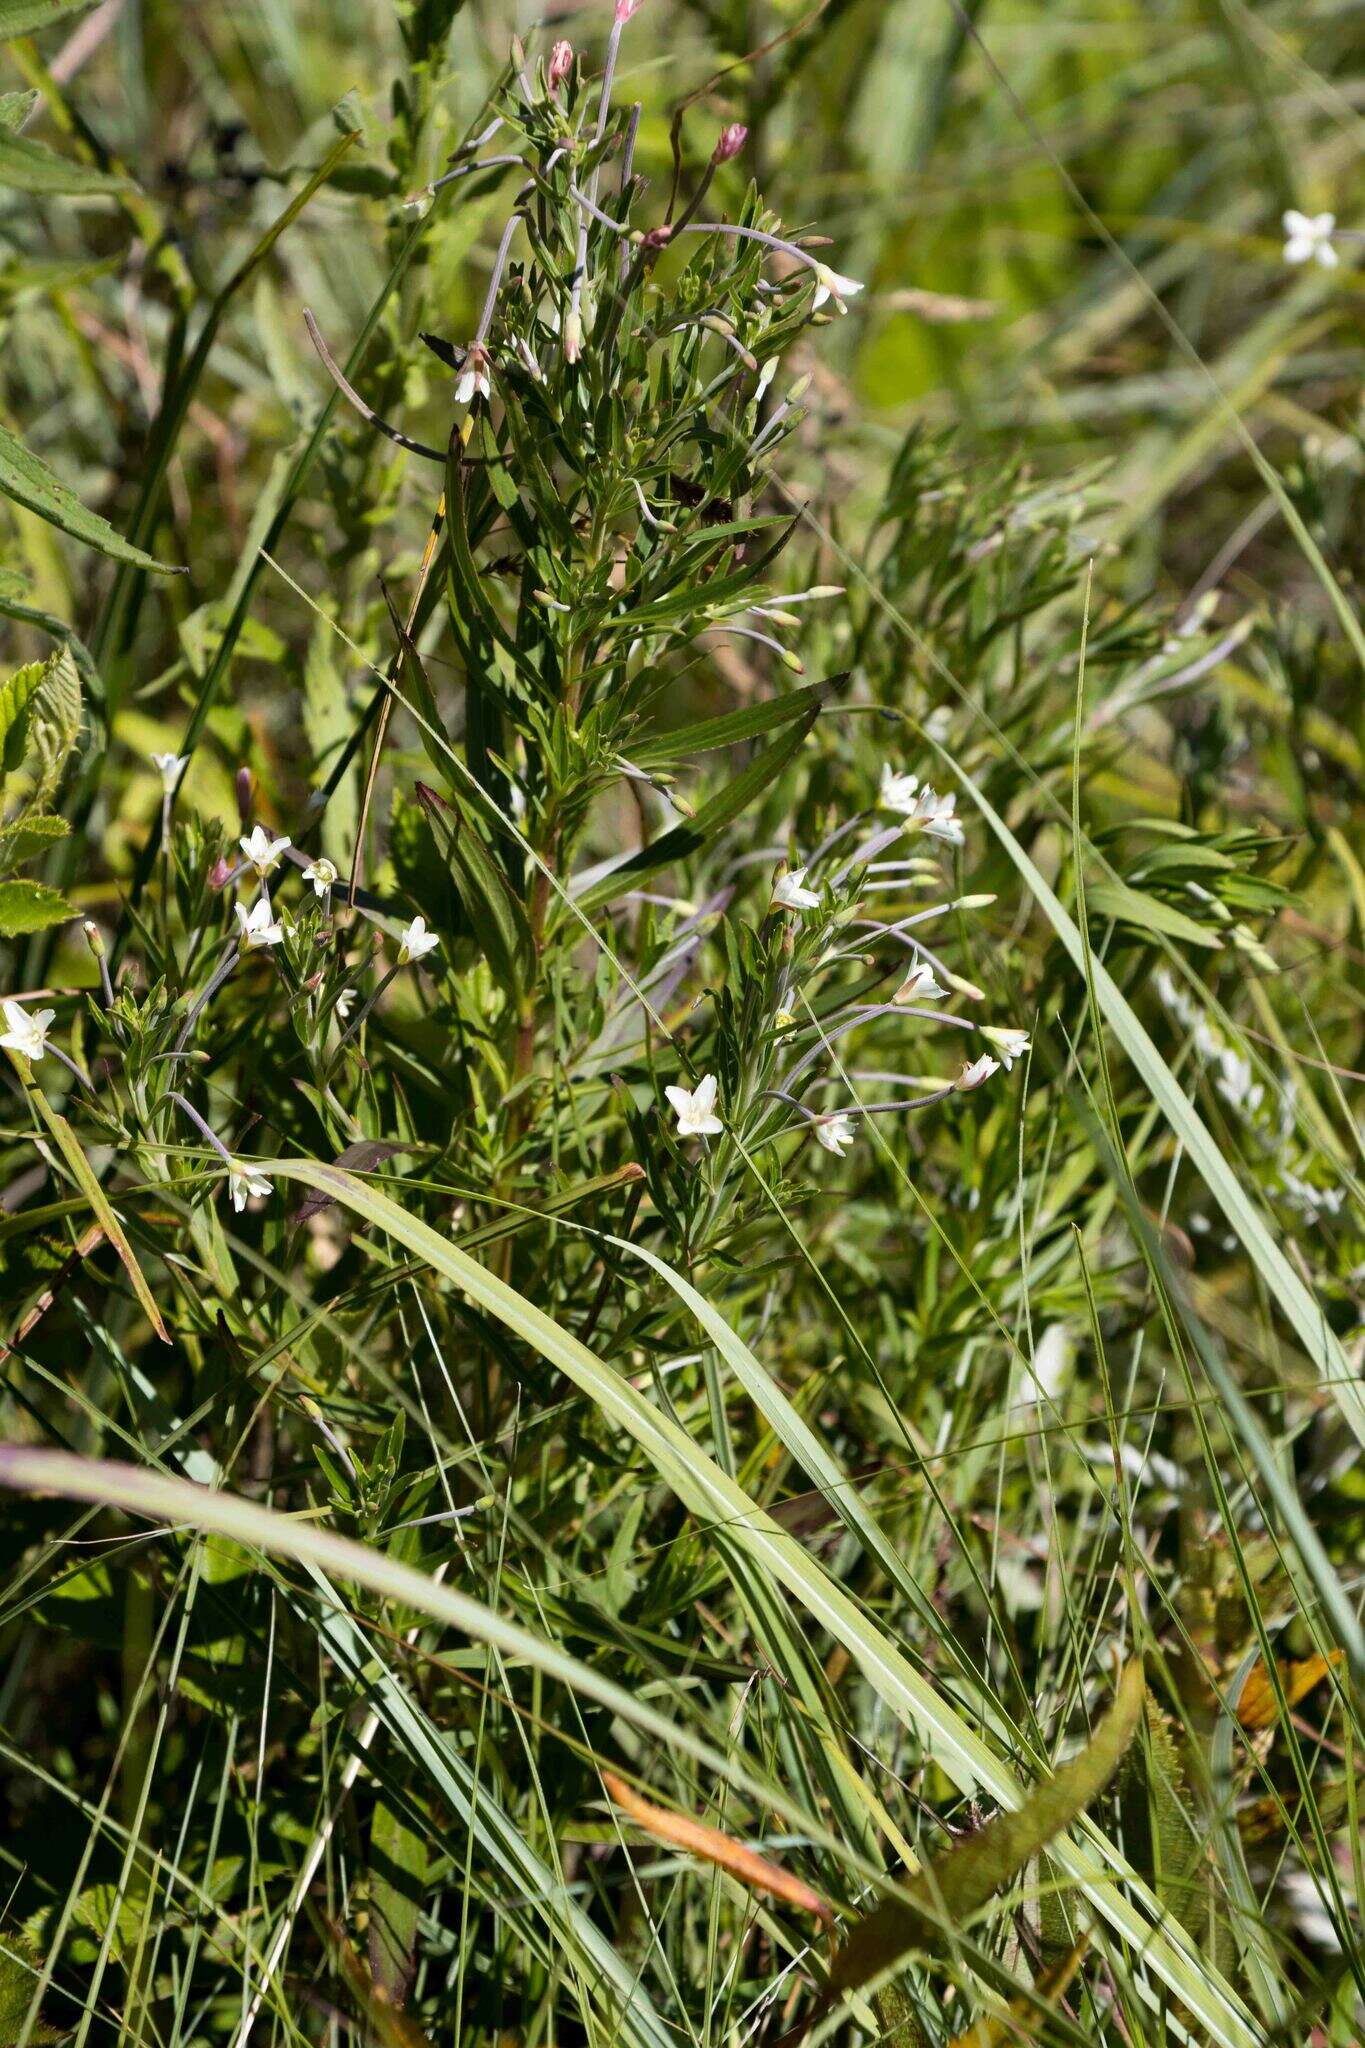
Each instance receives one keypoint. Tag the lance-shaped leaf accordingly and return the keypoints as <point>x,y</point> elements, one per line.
<point>29,166</point>
<point>31,483</point>
<point>945,1896</point>
<point>80,1166</point>
<point>26,17</point>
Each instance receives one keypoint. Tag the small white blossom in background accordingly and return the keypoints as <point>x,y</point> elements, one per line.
<point>1010,1044</point>
<point>1308,238</point>
<point>835,1133</point>
<point>417,942</point>
<point>790,892</point>
<point>170,767</point>
<point>258,927</point>
<point>1236,1083</point>
<point>974,1072</point>
<point>323,876</point>
<point>261,851</point>
<point>473,382</point>
<point>26,1031</point>
<point>920,986</point>
<point>897,792</point>
<point>344,1004</point>
<point>830,285</point>
<point>695,1109</point>
<point>244,1182</point>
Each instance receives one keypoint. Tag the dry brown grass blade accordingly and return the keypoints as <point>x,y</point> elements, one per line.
<point>695,1838</point>
<point>1258,1707</point>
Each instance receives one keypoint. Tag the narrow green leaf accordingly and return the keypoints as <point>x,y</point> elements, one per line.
<point>1118,899</point>
<point>749,724</point>
<point>80,1166</point>
<point>682,840</point>
<point>1225,1185</point>
<point>31,483</point>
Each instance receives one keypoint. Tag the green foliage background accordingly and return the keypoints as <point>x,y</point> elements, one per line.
<point>819,1496</point>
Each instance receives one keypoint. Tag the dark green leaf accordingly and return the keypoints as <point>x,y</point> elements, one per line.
<point>30,482</point>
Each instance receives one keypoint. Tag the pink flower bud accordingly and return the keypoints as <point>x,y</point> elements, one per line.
<point>245,786</point>
<point>730,142</point>
<point>561,63</point>
<point>657,238</point>
<point>219,873</point>
<point>625,8</point>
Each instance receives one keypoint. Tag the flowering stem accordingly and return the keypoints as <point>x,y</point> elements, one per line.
<point>204,1129</point>
<point>208,992</point>
<point>365,1008</point>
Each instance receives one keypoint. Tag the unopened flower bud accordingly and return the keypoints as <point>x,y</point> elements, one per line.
<point>729,142</point>
<point>561,63</point>
<point>94,937</point>
<point>218,874</point>
<point>246,787</point>
<point>625,8</point>
<point>573,335</point>
<point>657,238</point>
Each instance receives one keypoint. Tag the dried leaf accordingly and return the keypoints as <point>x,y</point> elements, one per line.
<point>695,1838</point>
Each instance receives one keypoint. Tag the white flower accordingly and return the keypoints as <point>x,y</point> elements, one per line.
<point>244,1182</point>
<point>790,892</point>
<point>257,926</point>
<point>835,1133</point>
<point>344,1004</point>
<point>696,1109</point>
<point>934,815</point>
<point>975,1072</point>
<point>897,792</point>
<point>920,986</point>
<point>26,1030</point>
<point>1236,1082</point>
<point>262,852</point>
<point>829,285</point>
<point>1009,1043</point>
<point>323,876</point>
<point>170,767</point>
<point>473,382</point>
<point>1308,238</point>
<point>416,942</point>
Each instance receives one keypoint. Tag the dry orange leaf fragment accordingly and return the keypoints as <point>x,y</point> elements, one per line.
<point>697,1839</point>
<point>1257,1706</point>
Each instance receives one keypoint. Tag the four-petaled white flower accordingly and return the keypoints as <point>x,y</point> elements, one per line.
<point>835,1133</point>
<point>1308,238</point>
<point>920,986</point>
<point>416,942</point>
<point>322,874</point>
<point>829,285</point>
<point>790,892</point>
<point>934,815</point>
<point>26,1030</point>
<point>974,1072</point>
<point>170,767</point>
<point>262,852</point>
<point>473,382</point>
<point>344,1004</point>
<point>1009,1043</point>
<point>257,926</point>
<point>897,792</point>
<point>244,1182</point>
<point>696,1109</point>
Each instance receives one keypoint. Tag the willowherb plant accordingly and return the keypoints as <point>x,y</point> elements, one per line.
<point>611,514</point>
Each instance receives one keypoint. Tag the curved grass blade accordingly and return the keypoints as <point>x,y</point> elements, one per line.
<point>723,1506</point>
